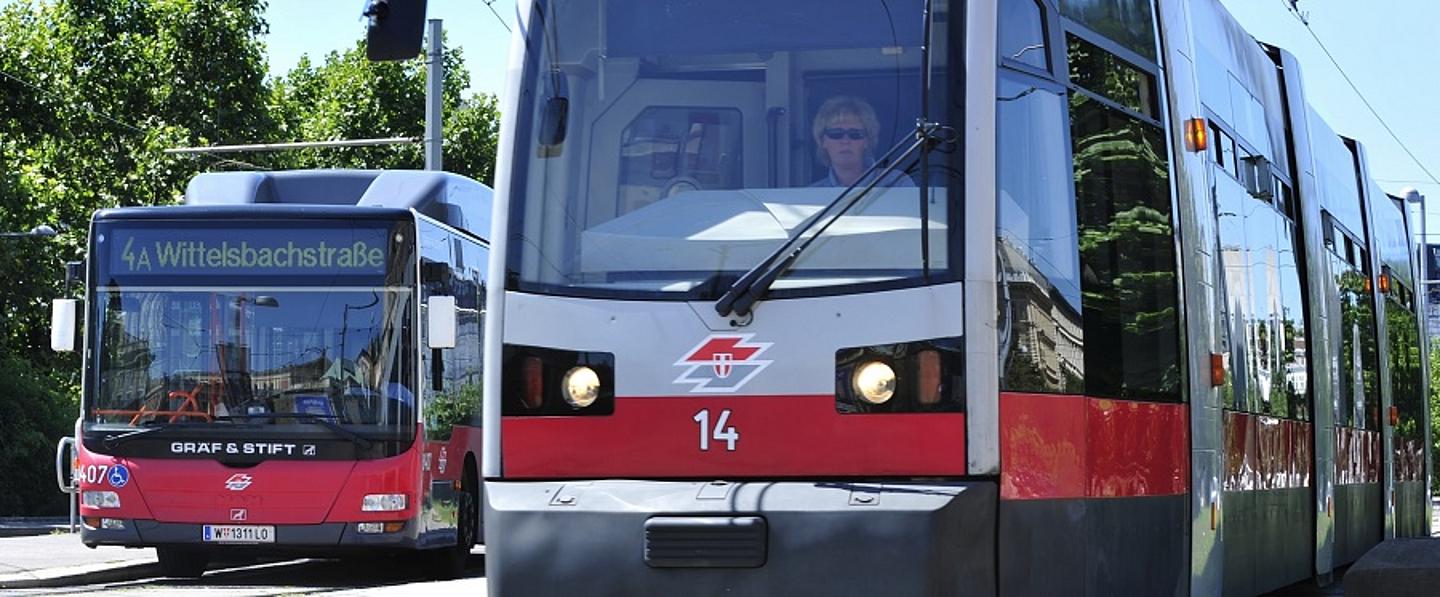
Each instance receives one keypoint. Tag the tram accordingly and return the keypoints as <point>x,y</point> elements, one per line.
<point>932,297</point>
<point>287,363</point>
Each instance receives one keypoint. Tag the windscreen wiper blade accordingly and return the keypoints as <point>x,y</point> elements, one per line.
<point>111,441</point>
<point>755,284</point>
<point>325,421</point>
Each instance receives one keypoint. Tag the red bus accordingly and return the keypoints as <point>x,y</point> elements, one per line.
<point>287,363</point>
<point>937,297</point>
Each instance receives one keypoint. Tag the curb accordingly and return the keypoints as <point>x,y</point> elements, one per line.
<point>80,575</point>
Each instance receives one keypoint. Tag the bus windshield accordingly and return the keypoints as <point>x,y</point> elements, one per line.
<point>206,326</point>
<point>663,150</point>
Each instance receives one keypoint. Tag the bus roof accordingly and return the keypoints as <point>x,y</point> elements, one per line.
<point>455,200</point>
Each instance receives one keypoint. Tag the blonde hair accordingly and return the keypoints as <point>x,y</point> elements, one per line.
<point>845,105</point>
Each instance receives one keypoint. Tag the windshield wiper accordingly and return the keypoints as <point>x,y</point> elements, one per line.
<point>755,284</point>
<point>111,441</point>
<point>325,421</point>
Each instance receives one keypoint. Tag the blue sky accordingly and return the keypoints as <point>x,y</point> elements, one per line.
<point>1389,52</point>
<point>318,27</point>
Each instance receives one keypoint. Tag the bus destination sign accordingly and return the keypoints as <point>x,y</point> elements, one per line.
<point>268,251</point>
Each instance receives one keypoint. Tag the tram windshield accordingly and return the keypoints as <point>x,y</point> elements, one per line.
<point>663,150</point>
<point>276,328</point>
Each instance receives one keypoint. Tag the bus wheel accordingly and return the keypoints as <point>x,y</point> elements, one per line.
<point>180,562</point>
<point>449,562</point>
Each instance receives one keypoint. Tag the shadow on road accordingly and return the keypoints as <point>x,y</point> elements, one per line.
<point>345,573</point>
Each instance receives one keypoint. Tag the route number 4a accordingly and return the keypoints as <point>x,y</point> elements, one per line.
<point>720,432</point>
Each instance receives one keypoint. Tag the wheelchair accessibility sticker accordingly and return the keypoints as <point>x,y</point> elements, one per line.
<point>119,476</point>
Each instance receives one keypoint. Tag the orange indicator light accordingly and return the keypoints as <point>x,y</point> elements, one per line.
<point>1217,369</point>
<point>1197,134</point>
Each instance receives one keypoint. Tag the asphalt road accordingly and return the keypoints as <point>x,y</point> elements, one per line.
<point>368,576</point>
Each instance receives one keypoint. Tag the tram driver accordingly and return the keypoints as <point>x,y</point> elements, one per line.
<point>845,131</point>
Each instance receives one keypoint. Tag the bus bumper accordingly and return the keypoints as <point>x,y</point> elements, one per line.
<point>318,537</point>
<point>754,538</point>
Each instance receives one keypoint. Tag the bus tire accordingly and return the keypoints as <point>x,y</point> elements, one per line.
<point>180,562</point>
<point>449,562</point>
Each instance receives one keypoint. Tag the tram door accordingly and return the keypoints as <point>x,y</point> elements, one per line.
<point>1268,482</point>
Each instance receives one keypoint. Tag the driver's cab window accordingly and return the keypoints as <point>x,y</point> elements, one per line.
<point>691,142</point>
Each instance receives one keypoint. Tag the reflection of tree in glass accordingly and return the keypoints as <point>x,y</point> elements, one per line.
<point>1127,255</point>
<point>453,408</point>
<point>1357,322</point>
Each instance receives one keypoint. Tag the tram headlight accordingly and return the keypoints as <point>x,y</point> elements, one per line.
<point>918,376</point>
<point>582,386</point>
<point>874,382</point>
<point>539,382</point>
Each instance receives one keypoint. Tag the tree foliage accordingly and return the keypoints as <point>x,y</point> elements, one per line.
<point>349,97</point>
<point>93,91</point>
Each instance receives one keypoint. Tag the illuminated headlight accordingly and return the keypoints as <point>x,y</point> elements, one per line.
<point>100,499</point>
<point>582,386</point>
<point>383,502</point>
<point>874,382</point>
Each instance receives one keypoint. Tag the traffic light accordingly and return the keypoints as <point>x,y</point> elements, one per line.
<point>396,30</point>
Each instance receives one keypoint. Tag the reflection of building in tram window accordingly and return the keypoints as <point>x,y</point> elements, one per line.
<point>845,131</point>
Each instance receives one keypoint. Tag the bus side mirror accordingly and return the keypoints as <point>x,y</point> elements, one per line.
<point>62,325</point>
<point>396,29</point>
<point>441,314</point>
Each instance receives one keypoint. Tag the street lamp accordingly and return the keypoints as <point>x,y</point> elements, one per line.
<point>41,231</point>
<point>1413,196</point>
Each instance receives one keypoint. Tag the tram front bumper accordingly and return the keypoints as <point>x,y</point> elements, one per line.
<point>798,538</point>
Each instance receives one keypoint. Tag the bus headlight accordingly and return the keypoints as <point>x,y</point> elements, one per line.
<point>582,386</point>
<point>100,499</point>
<point>874,382</point>
<point>383,502</point>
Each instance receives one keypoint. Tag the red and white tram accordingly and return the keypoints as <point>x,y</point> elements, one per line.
<point>1020,297</point>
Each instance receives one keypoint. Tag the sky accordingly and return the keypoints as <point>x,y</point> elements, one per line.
<point>1388,49</point>
<point>318,27</point>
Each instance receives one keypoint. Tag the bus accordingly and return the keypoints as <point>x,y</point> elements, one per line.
<point>932,297</point>
<point>289,362</point>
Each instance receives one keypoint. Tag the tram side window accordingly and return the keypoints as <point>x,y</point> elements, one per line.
<point>1402,332</point>
<point>1040,286</point>
<point>1023,33</point>
<point>1357,400</point>
<point>1126,237</point>
<point>1130,23</point>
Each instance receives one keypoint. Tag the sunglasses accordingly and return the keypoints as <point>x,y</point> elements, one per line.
<point>837,134</point>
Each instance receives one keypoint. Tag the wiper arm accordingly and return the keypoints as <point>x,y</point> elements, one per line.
<point>111,441</point>
<point>325,421</point>
<point>755,284</point>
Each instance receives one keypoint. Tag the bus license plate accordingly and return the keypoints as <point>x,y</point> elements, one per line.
<point>222,533</point>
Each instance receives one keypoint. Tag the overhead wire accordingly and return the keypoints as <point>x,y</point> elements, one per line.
<point>1294,10</point>
<point>490,4</point>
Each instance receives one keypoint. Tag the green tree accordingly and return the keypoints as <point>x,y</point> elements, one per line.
<point>91,91</point>
<point>348,97</point>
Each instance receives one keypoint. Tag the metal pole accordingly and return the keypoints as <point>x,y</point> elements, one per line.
<point>434,85</point>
